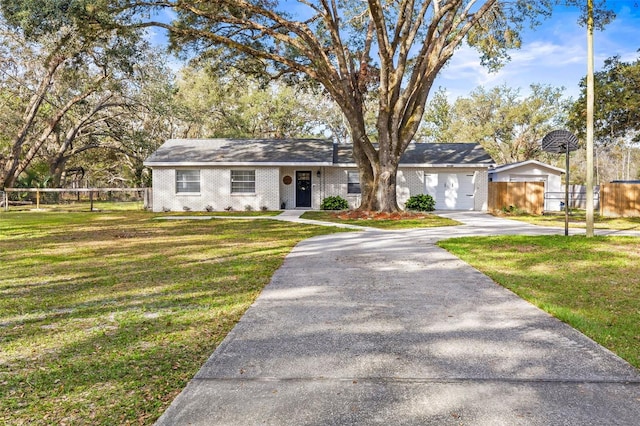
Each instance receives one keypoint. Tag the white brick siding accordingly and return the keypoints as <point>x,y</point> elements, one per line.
<point>481,200</point>
<point>410,181</point>
<point>215,190</point>
<point>336,184</point>
<point>288,192</point>
<point>272,192</point>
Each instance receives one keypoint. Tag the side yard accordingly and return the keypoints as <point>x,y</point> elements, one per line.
<point>593,284</point>
<point>577,219</point>
<point>104,317</point>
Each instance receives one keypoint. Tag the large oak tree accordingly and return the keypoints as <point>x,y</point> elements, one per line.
<point>388,51</point>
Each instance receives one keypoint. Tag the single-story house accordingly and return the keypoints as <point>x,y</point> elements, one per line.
<point>534,171</point>
<point>217,174</point>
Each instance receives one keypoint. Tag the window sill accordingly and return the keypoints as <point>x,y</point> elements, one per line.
<point>244,194</point>
<point>189,194</point>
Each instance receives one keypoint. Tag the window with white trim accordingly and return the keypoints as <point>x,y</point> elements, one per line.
<point>243,181</point>
<point>187,181</point>
<point>353,182</point>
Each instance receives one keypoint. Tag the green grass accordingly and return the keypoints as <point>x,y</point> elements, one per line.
<point>592,284</point>
<point>577,219</point>
<point>104,317</point>
<point>402,222</point>
<point>111,206</point>
<point>79,206</point>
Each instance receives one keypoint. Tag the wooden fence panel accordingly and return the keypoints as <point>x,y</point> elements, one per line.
<point>620,199</point>
<point>527,196</point>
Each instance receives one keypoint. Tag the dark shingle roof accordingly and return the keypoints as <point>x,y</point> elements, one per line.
<point>237,151</point>
<point>176,152</point>
<point>433,154</point>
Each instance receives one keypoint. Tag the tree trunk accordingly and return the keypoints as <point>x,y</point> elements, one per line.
<point>9,170</point>
<point>387,188</point>
<point>368,181</point>
<point>389,157</point>
<point>57,166</point>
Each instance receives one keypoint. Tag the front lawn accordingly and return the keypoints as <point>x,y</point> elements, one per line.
<point>104,317</point>
<point>592,284</point>
<point>577,219</point>
<point>400,220</point>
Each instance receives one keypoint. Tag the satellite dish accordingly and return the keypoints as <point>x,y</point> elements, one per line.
<point>559,141</point>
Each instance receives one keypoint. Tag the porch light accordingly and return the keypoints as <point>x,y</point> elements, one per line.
<point>318,173</point>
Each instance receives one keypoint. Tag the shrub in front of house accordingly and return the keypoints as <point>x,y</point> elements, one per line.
<point>421,203</point>
<point>334,202</point>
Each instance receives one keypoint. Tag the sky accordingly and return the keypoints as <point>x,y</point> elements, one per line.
<point>553,54</point>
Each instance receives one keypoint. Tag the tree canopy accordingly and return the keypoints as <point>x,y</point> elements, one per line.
<point>617,108</point>
<point>64,94</point>
<point>372,58</point>
<point>509,125</point>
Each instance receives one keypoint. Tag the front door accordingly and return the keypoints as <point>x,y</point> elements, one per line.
<point>303,189</point>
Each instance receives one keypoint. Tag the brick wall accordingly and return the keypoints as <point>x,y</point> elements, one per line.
<point>272,191</point>
<point>336,183</point>
<point>215,191</point>
<point>481,181</point>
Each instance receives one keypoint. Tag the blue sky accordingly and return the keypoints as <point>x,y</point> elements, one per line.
<point>554,54</point>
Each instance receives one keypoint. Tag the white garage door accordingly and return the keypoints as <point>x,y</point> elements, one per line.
<point>452,191</point>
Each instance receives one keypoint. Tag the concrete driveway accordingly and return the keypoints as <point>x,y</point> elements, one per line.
<point>384,327</point>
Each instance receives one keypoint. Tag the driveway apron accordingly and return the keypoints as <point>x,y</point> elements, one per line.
<point>387,328</point>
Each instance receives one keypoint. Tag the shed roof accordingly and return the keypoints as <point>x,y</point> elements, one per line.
<point>520,164</point>
<point>319,152</point>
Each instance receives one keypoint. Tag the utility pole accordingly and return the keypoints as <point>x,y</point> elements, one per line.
<point>590,106</point>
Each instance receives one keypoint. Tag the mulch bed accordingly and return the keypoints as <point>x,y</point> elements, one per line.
<point>357,214</point>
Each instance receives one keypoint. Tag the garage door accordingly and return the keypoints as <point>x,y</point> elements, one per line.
<point>452,191</point>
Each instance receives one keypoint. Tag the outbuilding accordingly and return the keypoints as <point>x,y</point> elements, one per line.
<point>534,171</point>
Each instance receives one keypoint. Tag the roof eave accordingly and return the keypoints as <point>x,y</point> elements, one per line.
<point>233,164</point>
<point>447,165</point>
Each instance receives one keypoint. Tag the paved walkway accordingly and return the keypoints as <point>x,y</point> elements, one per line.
<point>384,327</point>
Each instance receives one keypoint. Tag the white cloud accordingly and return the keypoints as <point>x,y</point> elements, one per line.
<point>555,54</point>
